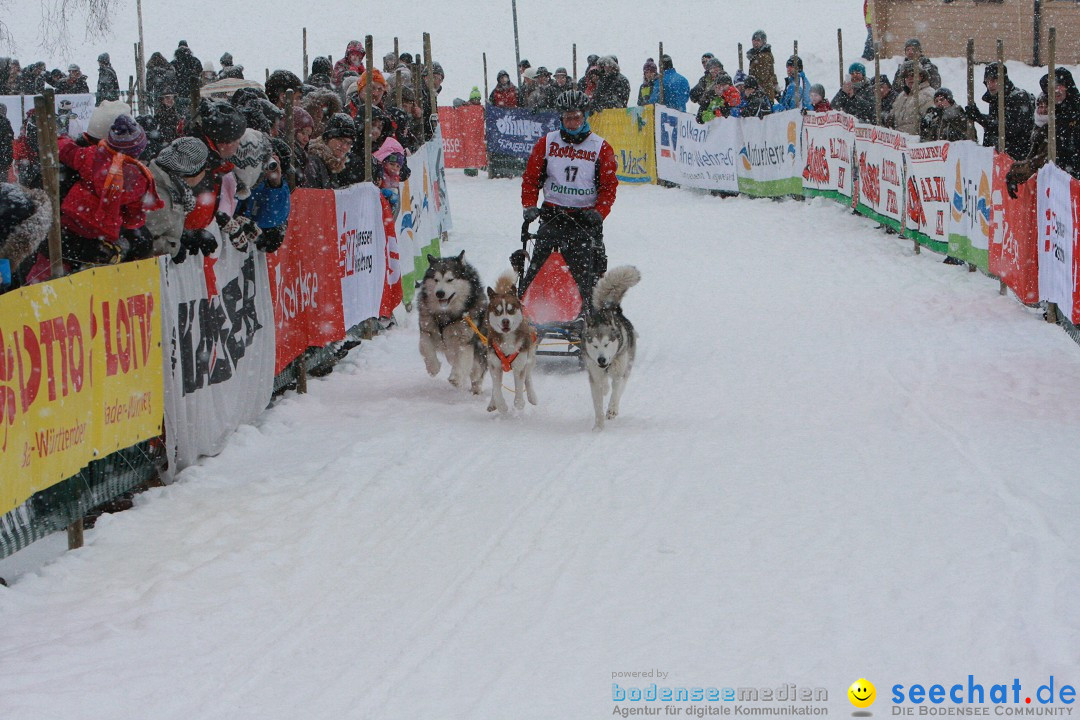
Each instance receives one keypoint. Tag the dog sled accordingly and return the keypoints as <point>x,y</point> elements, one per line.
<point>553,301</point>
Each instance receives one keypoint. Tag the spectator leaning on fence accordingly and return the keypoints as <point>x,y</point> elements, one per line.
<point>703,82</point>
<point>649,91</point>
<point>1019,114</point>
<point>25,219</point>
<point>910,105</point>
<point>1066,100</point>
<point>504,95</point>
<point>177,170</point>
<point>796,87</point>
<point>945,120</point>
<point>883,87</point>
<point>913,54</point>
<point>676,86</point>
<point>755,103</point>
<point>856,97</point>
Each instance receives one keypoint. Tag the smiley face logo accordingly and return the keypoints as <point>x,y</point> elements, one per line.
<point>862,693</point>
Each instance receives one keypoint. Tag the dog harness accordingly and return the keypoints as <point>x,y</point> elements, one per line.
<point>506,361</point>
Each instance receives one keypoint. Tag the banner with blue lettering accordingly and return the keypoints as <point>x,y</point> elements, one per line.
<point>514,131</point>
<point>695,155</point>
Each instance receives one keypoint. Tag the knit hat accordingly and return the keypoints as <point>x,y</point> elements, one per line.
<point>221,122</point>
<point>301,119</point>
<point>103,116</point>
<point>339,125</point>
<point>321,65</point>
<point>542,71</point>
<point>226,60</point>
<point>649,66</point>
<point>377,78</point>
<point>103,58</point>
<point>857,67</point>
<point>759,35</point>
<point>817,89</point>
<point>280,81</point>
<point>794,61</point>
<point>945,93</point>
<point>474,94</point>
<point>991,72</point>
<point>740,77</point>
<point>436,69</point>
<point>751,82</point>
<point>913,42</point>
<point>707,56</point>
<point>184,156</point>
<point>524,64</point>
<point>713,63</point>
<point>73,68</point>
<point>126,136</point>
<point>561,71</point>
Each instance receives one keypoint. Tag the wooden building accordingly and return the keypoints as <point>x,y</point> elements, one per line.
<point>944,26</point>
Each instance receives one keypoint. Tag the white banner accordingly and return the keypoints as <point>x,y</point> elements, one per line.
<point>880,160</point>
<point>425,212</point>
<point>695,155</point>
<point>771,155</point>
<point>928,197</point>
<point>1056,237</point>
<point>972,169</point>
<point>82,106</point>
<point>828,141</point>
<point>362,251</point>
<point>218,330</point>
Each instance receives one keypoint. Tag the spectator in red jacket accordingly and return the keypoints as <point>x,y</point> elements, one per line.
<point>817,97</point>
<point>104,214</point>
<point>505,94</point>
<point>353,60</point>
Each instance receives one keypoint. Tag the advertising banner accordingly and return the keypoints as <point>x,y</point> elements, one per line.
<point>972,170</point>
<point>361,251</point>
<point>694,155</point>
<point>305,278</point>
<point>219,348</point>
<point>828,140</point>
<point>463,136</point>
<point>770,159</point>
<point>1058,195</point>
<point>880,159</point>
<point>80,374</point>
<point>630,134</point>
<point>1014,251</point>
<point>424,215</point>
<point>929,202</point>
<point>513,131</point>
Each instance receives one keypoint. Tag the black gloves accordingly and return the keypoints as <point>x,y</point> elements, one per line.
<point>518,258</point>
<point>530,213</point>
<point>271,239</point>
<point>593,217</point>
<point>973,113</point>
<point>193,242</point>
<point>140,243</point>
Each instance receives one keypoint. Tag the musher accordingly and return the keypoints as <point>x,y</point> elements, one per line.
<point>576,168</point>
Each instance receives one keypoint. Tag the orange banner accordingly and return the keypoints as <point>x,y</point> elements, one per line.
<point>1014,249</point>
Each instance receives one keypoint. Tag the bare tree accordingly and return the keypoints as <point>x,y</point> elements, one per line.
<point>56,15</point>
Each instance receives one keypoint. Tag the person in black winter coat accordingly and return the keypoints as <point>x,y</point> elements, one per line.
<point>321,67</point>
<point>856,96</point>
<point>108,87</point>
<point>7,143</point>
<point>1019,114</point>
<point>427,107</point>
<point>75,83</point>
<point>160,76</point>
<point>613,89</point>
<point>32,79</point>
<point>188,69</point>
<point>1067,110</point>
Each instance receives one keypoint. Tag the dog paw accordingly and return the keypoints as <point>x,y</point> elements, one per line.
<point>433,368</point>
<point>519,403</point>
<point>611,413</point>
<point>455,381</point>
<point>477,388</point>
<point>598,427</point>
<point>491,407</point>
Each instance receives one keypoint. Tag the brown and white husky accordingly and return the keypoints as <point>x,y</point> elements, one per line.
<point>511,344</point>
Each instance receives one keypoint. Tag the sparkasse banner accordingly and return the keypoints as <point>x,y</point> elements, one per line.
<point>695,155</point>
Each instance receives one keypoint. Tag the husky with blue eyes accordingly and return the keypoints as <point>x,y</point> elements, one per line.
<point>609,341</point>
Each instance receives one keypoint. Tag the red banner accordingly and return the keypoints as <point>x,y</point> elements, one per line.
<point>1014,249</point>
<point>464,145</point>
<point>305,279</point>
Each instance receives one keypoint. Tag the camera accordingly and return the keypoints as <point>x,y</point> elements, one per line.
<point>272,166</point>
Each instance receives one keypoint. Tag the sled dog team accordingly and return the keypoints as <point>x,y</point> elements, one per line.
<point>478,333</point>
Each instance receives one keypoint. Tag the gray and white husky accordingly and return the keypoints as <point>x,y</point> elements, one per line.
<point>609,341</point>
<point>451,292</point>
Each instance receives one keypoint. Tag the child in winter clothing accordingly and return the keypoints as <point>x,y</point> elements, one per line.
<point>649,92</point>
<point>505,94</point>
<point>111,197</point>
<point>817,97</point>
<point>722,99</point>
<point>178,168</point>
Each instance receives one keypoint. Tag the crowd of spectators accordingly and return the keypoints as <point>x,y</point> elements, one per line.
<point>208,147</point>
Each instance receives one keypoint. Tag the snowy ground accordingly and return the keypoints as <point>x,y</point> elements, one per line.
<point>835,460</point>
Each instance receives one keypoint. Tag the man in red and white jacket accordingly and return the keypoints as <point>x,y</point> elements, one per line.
<point>576,169</point>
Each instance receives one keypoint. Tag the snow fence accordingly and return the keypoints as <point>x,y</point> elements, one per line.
<point>94,365</point>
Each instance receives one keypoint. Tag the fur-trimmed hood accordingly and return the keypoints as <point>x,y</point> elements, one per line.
<point>25,238</point>
<point>322,151</point>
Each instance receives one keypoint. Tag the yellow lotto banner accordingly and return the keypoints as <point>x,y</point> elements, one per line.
<point>632,136</point>
<point>80,374</point>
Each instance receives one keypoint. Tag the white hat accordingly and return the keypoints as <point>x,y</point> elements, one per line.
<point>208,66</point>
<point>103,116</point>
<point>530,73</point>
<point>351,87</point>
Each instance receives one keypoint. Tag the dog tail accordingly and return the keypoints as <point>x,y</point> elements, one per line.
<point>506,282</point>
<point>613,285</point>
